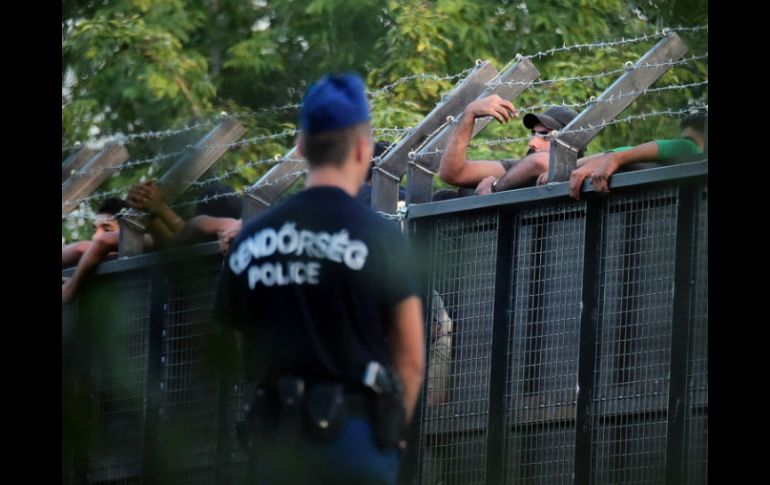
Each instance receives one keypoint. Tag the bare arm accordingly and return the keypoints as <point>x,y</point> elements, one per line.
<point>71,253</point>
<point>159,231</point>
<point>227,233</point>
<point>96,252</point>
<point>206,226</point>
<point>585,167</point>
<point>454,167</point>
<point>525,172</point>
<point>408,350</point>
<point>149,196</point>
<point>641,153</point>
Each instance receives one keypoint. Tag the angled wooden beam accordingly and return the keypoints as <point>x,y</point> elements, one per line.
<point>419,184</point>
<point>75,162</point>
<point>273,183</point>
<point>203,156</point>
<point>94,172</point>
<point>591,121</point>
<point>387,173</point>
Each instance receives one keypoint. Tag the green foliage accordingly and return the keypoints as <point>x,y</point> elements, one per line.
<point>131,66</point>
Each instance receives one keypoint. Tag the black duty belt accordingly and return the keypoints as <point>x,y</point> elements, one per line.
<point>357,403</point>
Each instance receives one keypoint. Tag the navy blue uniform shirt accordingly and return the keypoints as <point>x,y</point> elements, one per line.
<point>312,285</point>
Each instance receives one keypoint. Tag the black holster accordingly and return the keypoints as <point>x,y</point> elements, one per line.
<point>388,420</point>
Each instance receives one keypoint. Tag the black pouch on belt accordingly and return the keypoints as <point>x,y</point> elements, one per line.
<point>389,420</point>
<point>325,412</point>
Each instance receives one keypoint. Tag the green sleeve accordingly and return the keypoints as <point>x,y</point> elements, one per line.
<point>677,149</point>
<point>619,149</point>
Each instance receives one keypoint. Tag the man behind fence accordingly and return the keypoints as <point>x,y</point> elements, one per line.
<point>320,294</point>
<point>484,175</point>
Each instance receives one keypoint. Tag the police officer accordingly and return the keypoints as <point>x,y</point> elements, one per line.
<point>320,294</point>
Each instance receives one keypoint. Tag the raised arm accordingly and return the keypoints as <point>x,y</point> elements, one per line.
<point>148,196</point>
<point>454,167</point>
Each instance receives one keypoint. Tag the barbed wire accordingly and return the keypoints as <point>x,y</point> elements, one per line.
<point>449,121</point>
<point>642,116</point>
<point>269,109</point>
<point>614,43</point>
<point>146,161</point>
<point>504,141</point>
<point>452,121</point>
<point>122,138</point>
<point>195,183</point>
<point>238,170</point>
<point>296,174</point>
<point>400,132</point>
<point>413,77</point>
<point>250,141</point>
<point>500,141</point>
<point>208,198</point>
<point>127,138</point>
<point>497,82</point>
<point>615,97</point>
<point>399,216</point>
<point>100,196</point>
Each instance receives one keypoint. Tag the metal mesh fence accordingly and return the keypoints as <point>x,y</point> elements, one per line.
<point>197,408</point>
<point>543,344</point>
<point>456,402</point>
<point>696,398</point>
<point>634,338</point>
<point>234,456</point>
<point>189,375</point>
<point>119,382</point>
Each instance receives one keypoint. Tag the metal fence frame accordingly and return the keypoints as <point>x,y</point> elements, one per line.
<point>487,433</point>
<point>604,434</point>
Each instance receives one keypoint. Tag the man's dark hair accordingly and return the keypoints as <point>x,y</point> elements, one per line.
<point>695,121</point>
<point>112,206</point>
<point>331,147</point>
<point>218,204</point>
<point>379,148</point>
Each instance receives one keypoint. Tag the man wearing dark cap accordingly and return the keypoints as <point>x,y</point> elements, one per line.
<point>320,294</point>
<point>486,175</point>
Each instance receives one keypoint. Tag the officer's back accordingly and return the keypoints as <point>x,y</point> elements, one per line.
<point>320,290</point>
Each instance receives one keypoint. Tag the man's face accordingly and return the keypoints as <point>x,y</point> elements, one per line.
<point>105,223</point>
<point>539,140</point>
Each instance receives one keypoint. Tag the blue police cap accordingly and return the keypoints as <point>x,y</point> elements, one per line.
<point>334,102</point>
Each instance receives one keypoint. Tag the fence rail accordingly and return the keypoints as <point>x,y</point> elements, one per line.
<point>568,344</point>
